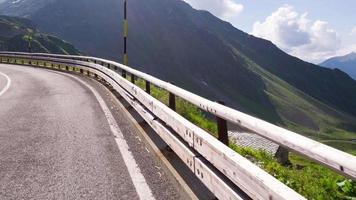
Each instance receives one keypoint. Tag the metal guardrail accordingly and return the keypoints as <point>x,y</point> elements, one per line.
<point>222,170</point>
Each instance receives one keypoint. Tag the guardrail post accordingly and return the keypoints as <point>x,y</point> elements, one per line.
<point>81,71</point>
<point>172,101</point>
<point>133,78</point>
<point>222,128</point>
<point>282,156</point>
<point>148,87</point>
<point>123,73</point>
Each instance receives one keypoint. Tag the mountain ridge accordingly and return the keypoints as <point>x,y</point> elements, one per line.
<point>346,63</point>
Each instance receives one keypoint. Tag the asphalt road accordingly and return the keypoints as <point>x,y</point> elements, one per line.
<point>57,141</point>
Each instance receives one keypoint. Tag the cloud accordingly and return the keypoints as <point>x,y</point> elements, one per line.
<point>225,9</point>
<point>297,35</point>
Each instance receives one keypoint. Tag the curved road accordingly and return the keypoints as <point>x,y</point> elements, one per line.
<point>60,139</point>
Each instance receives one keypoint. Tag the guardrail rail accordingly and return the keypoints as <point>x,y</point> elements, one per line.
<point>224,172</point>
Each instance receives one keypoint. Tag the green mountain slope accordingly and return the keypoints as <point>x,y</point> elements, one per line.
<point>14,33</point>
<point>199,52</point>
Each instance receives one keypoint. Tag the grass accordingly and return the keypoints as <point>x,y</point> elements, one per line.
<point>305,177</point>
<point>310,179</point>
<point>184,108</point>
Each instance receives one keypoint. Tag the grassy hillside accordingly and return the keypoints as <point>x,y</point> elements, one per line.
<point>15,33</point>
<point>306,115</point>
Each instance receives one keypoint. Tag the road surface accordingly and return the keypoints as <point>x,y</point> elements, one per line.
<point>62,138</point>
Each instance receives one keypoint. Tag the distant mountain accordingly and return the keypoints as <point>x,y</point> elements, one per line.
<point>14,33</point>
<point>197,51</point>
<point>345,63</point>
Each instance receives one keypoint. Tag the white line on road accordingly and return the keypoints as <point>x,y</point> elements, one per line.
<point>139,181</point>
<point>7,86</point>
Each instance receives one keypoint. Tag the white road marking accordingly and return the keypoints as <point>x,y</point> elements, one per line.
<point>143,190</point>
<point>7,86</point>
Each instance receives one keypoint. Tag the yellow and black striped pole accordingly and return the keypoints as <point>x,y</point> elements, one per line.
<point>125,32</point>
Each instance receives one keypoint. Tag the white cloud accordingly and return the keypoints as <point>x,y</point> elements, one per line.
<point>296,34</point>
<point>225,9</point>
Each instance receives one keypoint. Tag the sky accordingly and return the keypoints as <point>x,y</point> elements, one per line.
<point>312,30</point>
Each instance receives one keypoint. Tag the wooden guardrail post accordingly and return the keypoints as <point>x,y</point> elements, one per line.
<point>148,87</point>
<point>133,78</point>
<point>123,73</point>
<point>172,101</point>
<point>222,128</point>
<point>282,156</point>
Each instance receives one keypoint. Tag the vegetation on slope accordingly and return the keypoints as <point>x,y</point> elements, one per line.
<point>15,34</point>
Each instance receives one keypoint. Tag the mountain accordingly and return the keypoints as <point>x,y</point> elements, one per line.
<point>14,33</point>
<point>197,51</point>
<point>345,63</point>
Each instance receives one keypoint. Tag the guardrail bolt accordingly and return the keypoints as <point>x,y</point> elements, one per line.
<point>222,128</point>
<point>148,87</point>
<point>172,101</point>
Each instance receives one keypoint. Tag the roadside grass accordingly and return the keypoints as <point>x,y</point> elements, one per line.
<point>310,179</point>
<point>184,108</point>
